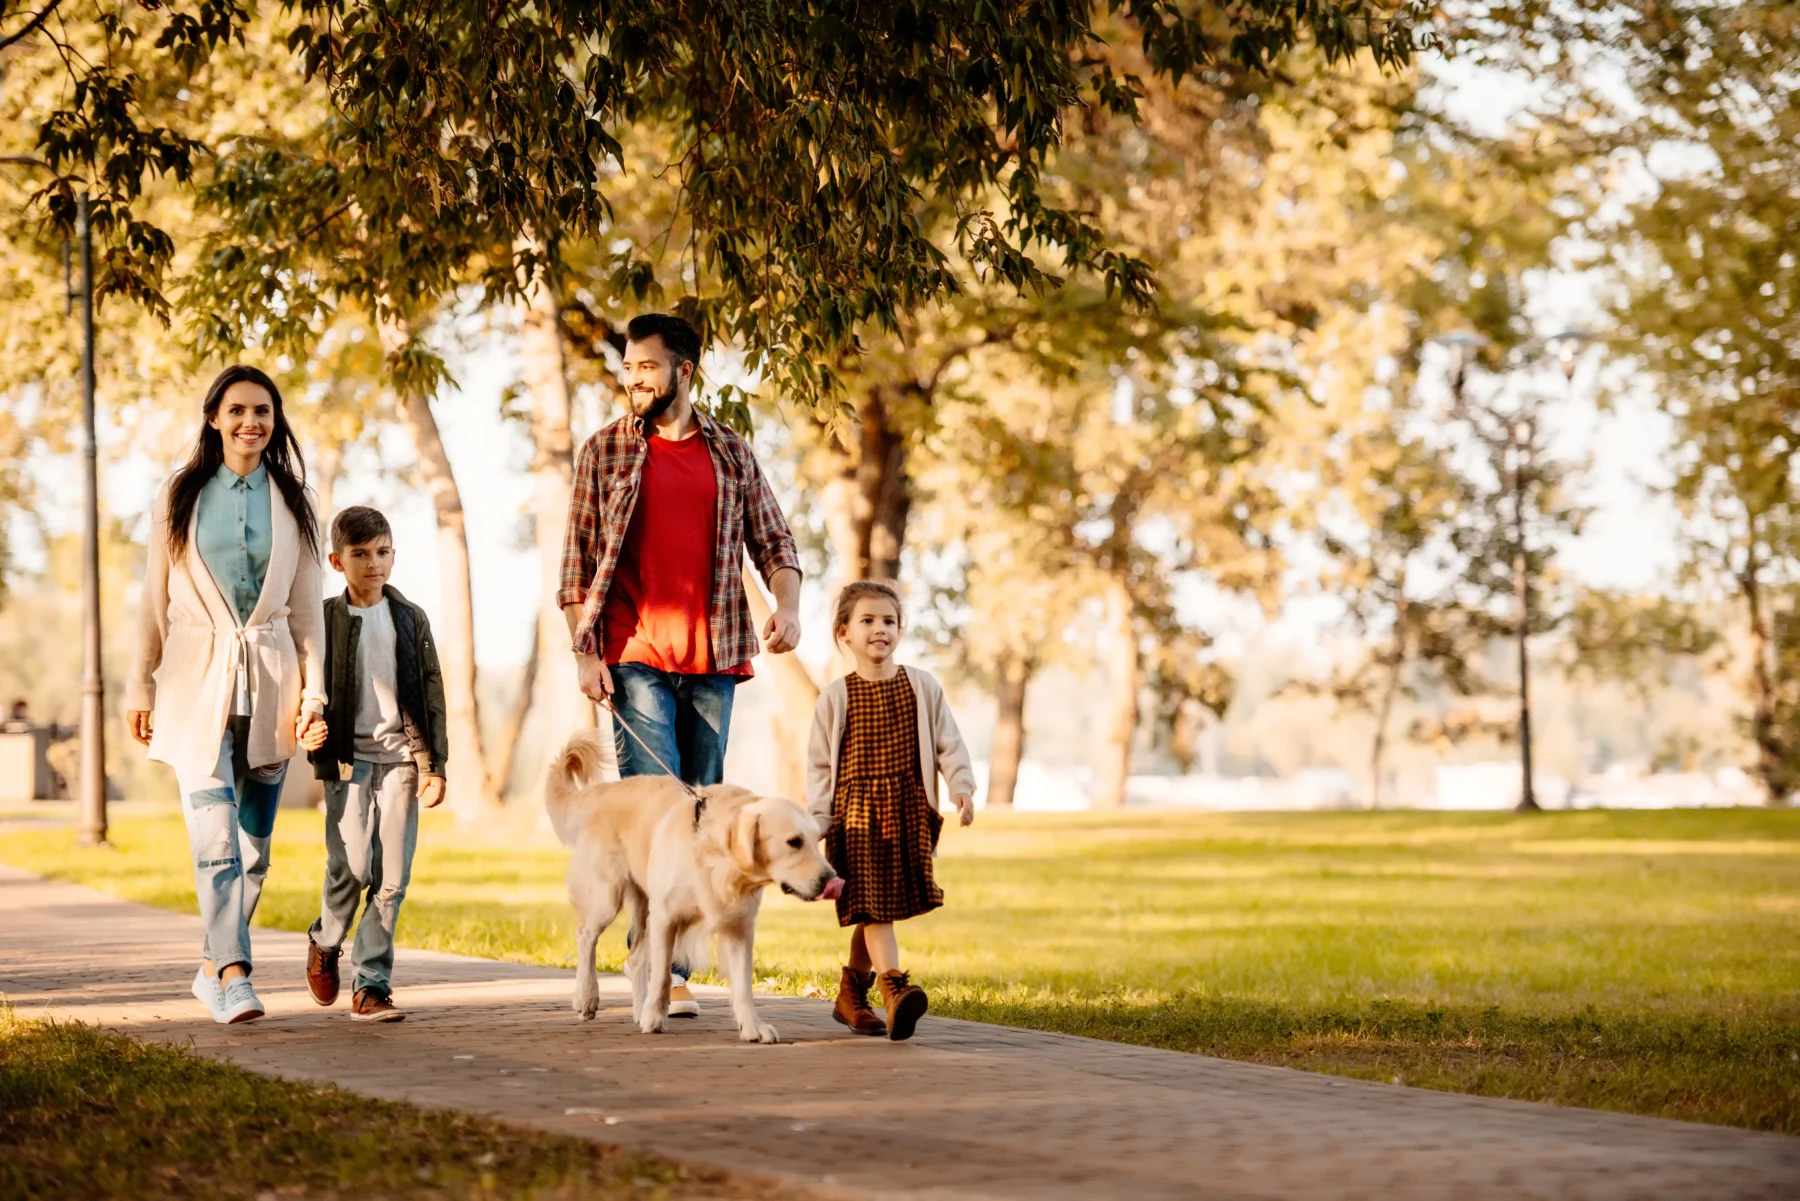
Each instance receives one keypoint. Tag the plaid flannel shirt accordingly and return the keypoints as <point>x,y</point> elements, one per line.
<point>608,469</point>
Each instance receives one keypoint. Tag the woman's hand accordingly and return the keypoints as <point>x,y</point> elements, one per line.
<point>965,805</point>
<point>311,731</point>
<point>431,791</point>
<point>138,722</point>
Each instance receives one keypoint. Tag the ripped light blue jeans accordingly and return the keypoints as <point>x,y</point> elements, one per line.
<point>230,815</point>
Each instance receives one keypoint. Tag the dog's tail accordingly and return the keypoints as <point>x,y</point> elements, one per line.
<point>575,767</point>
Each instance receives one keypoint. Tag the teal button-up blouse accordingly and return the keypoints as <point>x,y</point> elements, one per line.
<point>235,535</point>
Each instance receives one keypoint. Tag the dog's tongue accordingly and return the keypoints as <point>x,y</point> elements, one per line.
<point>833,890</point>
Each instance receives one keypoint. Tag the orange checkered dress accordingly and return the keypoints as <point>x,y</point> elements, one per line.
<point>884,828</point>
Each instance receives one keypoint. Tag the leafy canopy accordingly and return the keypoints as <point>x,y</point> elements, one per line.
<point>807,138</point>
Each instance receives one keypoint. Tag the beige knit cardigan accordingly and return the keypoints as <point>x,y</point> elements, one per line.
<point>185,669</point>
<point>941,746</point>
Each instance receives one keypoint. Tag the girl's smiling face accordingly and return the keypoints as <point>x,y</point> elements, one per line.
<point>245,419</point>
<point>872,632</point>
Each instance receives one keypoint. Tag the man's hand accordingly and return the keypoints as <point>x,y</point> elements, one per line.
<point>965,805</point>
<point>593,678</point>
<point>431,792</point>
<point>311,731</point>
<point>138,720</point>
<point>781,633</point>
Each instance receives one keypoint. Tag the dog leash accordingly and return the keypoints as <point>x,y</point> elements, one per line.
<point>693,793</point>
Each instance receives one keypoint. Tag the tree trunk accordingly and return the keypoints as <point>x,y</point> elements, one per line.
<point>1382,716</point>
<point>506,751</point>
<point>471,787</point>
<point>561,707</point>
<point>1126,672</point>
<point>1522,591</point>
<point>1009,730</point>
<point>796,695</point>
<point>1762,715</point>
<point>869,497</point>
<point>326,459</point>
<point>884,494</point>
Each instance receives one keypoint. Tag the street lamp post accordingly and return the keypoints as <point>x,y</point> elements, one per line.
<point>91,797</point>
<point>1517,436</point>
<point>92,800</point>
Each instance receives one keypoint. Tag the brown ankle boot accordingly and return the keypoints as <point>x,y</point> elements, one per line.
<point>852,1008</point>
<point>906,1004</point>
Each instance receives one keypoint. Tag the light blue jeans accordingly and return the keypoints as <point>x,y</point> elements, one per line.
<point>371,829</point>
<point>230,817</point>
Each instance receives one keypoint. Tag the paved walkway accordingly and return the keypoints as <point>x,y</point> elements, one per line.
<point>964,1110</point>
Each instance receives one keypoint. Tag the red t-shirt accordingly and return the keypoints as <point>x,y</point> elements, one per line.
<point>656,611</point>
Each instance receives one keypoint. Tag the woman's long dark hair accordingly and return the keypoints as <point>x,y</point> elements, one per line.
<point>281,456</point>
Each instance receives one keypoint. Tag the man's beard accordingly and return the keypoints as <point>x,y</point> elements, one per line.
<point>659,406</point>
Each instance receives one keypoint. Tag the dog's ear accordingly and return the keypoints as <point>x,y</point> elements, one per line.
<point>746,839</point>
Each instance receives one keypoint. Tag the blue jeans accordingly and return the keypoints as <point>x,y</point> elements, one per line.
<point>371,829</point>
<point>685,719</point>
<point>230,816</point>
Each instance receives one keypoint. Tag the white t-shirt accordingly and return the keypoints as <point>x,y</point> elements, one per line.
<point>380,735</point>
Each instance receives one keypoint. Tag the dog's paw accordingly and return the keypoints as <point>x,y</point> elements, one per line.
<point>761,1032</point>
<point>587,1003</point>
<point>653,1024</point>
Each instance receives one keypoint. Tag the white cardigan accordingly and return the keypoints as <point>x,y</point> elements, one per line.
<point>184,668</point>
<point>941,746</point>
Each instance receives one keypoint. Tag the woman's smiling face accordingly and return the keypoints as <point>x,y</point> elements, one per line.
<point>245,419</point>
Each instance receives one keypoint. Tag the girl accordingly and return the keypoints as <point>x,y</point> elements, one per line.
<point>227,679</point>
<point>880,737</point>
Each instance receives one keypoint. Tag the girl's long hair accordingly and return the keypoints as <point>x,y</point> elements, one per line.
<point>287,470</point>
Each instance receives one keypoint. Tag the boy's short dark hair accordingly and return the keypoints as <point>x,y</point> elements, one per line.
<point>682,339</point>
<point>356,525</point>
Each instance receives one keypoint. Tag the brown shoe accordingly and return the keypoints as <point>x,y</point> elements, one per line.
<point>906,1004</point>
<point>373,1005</point>
<point>852,1008</point>
<point>321,973</point>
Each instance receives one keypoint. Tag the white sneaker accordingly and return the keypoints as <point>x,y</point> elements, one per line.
<point>681,1001</point>
<point>208,993</point>
<point>241,1003</point>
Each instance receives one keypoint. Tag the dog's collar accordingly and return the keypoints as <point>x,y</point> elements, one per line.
<point>699,807</point>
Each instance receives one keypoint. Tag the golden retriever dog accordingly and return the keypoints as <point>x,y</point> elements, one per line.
<point>679,876</point>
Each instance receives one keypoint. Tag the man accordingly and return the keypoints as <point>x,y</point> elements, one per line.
<point>665,502</point>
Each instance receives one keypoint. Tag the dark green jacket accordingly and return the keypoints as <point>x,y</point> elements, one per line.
<point>416,676</point>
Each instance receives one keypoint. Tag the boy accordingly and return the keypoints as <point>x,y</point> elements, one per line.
<point>383,758</point>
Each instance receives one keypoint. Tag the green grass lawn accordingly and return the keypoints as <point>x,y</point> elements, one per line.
<point>85,1112</point>
<point>1647,962</point>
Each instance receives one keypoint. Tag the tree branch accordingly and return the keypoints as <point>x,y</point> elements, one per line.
<point>1000,333</point>
<point>31,26</point>
<point>319,225</point>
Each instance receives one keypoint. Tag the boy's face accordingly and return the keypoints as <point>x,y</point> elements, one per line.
<point>366,564</point>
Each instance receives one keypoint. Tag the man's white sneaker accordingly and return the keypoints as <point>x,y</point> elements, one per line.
<point>681,1001</point>
<point>208,993</point>
<point>241,1003</point>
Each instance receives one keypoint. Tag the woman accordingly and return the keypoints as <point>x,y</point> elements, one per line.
<point>227,676</point>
